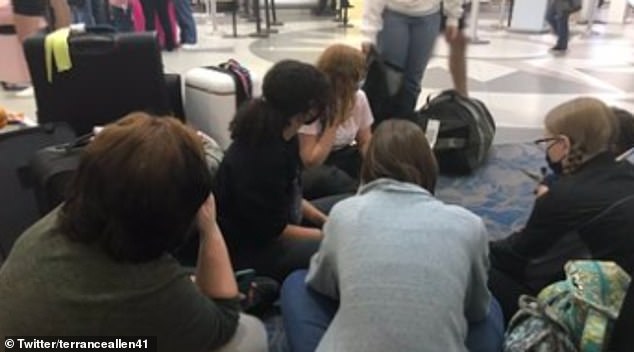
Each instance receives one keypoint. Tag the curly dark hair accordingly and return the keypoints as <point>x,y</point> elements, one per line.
<point>289,88</point>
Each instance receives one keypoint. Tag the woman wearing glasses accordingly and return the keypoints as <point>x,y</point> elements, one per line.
<point>586,212</point>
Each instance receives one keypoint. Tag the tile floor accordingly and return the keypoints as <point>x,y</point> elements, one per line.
<point>514,74</point>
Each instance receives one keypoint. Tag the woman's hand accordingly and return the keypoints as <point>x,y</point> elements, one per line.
<point>540,190</point>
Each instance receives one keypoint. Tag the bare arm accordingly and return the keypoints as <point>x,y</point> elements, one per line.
<point>214,274</point>
<point>296,231</point>
<point>314,149</point>
<point>363,139</point>
<point>310,212</point>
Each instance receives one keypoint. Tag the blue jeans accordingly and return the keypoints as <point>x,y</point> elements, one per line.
<point>307,314</point>
<point>408,42</point>
<point>99,11</point>
<point>122,19</point>
<point>559,23</point>
<point>83,13</point>
<point>186,21</point>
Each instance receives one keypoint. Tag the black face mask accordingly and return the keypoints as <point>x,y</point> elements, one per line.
<point>556,166</point>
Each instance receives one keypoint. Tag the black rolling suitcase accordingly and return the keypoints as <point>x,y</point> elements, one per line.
<point>112,75</point>
<point>19,207</point>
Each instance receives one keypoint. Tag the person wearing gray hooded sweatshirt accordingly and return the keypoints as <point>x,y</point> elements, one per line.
<point>404,33</point>
<point>397,269</point>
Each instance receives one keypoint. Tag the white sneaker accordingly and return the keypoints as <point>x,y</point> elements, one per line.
<point>25,93</point>
<point>188,46</point>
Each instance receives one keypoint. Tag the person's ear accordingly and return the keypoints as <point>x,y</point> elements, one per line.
<point>566,143</point>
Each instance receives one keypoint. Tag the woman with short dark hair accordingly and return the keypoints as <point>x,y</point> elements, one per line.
<point>408,271</point>
<point>260,206</point>
<point>99,265</point>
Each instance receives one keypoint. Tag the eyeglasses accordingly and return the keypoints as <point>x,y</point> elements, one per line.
<point>544,143</point>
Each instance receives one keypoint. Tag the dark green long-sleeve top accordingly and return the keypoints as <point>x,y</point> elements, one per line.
<point>50,286</point>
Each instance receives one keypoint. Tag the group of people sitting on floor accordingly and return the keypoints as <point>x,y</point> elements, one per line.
<point>388,268</point>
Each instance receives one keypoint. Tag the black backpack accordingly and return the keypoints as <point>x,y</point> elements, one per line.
<point>465,134</point>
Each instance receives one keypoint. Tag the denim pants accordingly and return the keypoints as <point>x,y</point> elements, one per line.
<point>407,42</point>
<point>151,8</point>
<point>559,22</point>
<point>186,22</point>
<point>100,11</point>
<point>83,13</point>
<point>122,19</point>
<point>307,314</point>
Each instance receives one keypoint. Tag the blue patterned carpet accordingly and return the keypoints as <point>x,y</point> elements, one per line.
<point>500,192</point>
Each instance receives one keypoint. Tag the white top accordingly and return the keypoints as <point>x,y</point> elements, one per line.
<point>372,20</point>
<point>361,117</point>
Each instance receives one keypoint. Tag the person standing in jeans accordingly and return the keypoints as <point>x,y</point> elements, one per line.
<point>82,12</point>
<point>121,15</point>
<point>160,7</point>
<point>404,32</point>
<point>558,15</point>
<point>186,23</point>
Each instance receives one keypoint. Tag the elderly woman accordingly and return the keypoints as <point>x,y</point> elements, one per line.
<point>586,212</point>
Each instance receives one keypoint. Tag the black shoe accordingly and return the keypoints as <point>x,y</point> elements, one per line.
<point>324,12</point>
<point>13,87</point>
<point>558,49</point>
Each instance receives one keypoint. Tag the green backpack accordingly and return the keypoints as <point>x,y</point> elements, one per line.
<point>576,314</point>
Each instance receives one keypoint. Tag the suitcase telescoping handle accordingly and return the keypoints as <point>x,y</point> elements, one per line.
<point>96,40</point>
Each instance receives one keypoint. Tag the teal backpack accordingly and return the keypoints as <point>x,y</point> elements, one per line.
<point>576,314</point>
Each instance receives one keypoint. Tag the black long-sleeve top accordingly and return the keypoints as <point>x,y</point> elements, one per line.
<point>571,202</point>
<point>257,191</point>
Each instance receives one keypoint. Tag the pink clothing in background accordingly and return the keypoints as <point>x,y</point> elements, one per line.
<point>139,21</point>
